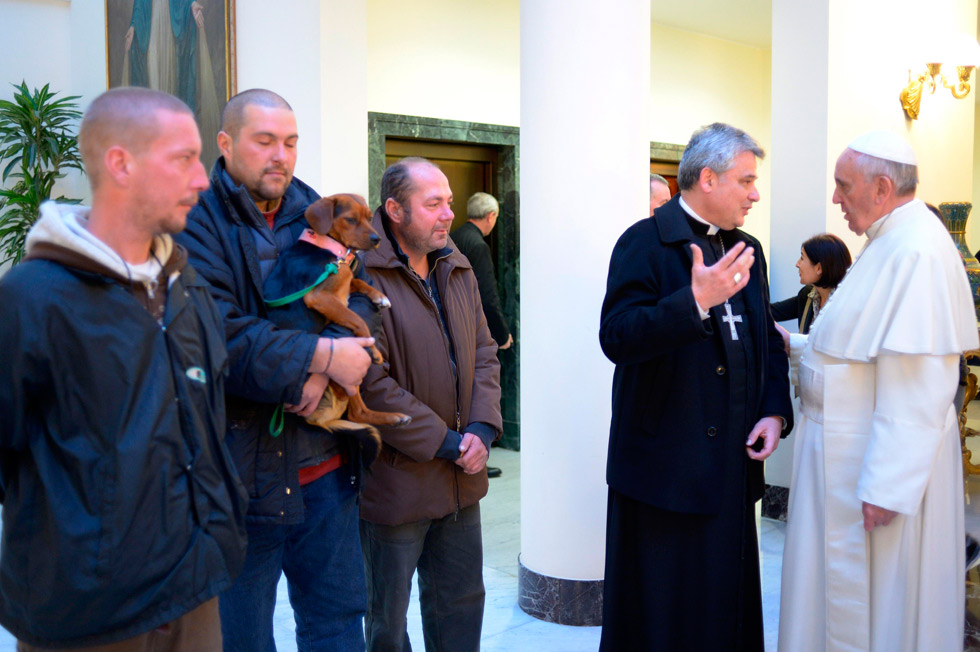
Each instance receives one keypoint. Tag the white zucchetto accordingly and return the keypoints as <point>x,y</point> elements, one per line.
<point>885,145</point>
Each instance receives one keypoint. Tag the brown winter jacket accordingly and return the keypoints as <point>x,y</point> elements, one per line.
<point>407,482</point>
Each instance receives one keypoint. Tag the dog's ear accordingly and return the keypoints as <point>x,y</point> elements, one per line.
<point>320,215</point>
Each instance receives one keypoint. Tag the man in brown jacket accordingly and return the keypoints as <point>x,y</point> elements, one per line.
<point>420,508</point>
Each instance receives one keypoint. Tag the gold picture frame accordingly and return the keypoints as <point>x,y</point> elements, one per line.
<point>171,53</point>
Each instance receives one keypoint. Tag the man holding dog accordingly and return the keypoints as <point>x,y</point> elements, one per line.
<point>302,518</point>
<point>123,517</point>
<point>700,399</point>
<point>420,508</point>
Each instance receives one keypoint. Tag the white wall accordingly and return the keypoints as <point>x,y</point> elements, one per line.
<point>696,80</point>
<point>41,45</point>
<point>24,21</point>
<point>973,225</point>
<point>859,56</point>
<point>864,96</point>
<point>312,52</point>
<point>445,59</point>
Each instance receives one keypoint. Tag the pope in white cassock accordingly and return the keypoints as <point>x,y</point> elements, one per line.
<point>874,555</point>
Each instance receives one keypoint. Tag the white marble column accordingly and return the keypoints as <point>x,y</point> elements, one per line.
<point>584,179</point>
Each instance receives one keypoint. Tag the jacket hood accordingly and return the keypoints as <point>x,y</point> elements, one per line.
<point>61,235</point>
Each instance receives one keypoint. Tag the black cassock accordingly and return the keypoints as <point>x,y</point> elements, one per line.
<point>682,568</point>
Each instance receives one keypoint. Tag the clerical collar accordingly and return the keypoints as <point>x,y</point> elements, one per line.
<point>876,226</point>
<point>712,229</point>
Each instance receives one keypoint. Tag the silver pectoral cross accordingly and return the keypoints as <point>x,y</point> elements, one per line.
<point>731,319</point>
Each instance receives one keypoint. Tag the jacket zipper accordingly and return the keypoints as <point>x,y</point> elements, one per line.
<point>425,287</point>
<point>445,340</point>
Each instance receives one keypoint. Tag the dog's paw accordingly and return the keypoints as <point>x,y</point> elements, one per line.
<point>402,420</point>
<point>382,303</point>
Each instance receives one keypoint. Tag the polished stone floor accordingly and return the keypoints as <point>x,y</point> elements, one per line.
<point>505,626</point>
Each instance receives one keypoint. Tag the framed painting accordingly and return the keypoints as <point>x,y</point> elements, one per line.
<point>183,47</point>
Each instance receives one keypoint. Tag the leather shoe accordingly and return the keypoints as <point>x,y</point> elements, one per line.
<point>494,472</point>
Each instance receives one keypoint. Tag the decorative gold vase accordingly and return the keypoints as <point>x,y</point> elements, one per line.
<point>955,215</point>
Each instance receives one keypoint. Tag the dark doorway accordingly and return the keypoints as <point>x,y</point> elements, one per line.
<point>664,158</point>
<point>668,171</point>
<point>475,157</point>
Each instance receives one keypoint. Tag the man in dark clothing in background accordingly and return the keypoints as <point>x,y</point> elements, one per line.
<point>482,211</point>
<point>303,517</point>
<point>123,517</point>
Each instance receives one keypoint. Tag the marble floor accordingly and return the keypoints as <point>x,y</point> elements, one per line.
<point>505,626</point>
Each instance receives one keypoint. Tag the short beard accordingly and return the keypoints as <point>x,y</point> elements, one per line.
<point>408,243</point>
<point>270,195</point>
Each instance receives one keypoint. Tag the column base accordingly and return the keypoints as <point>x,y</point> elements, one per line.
<point>557,600</point>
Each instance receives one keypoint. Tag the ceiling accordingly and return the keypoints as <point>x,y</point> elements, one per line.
<point>746,21</point>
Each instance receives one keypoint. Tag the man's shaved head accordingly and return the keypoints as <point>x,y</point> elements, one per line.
<point>233,115</point>
<point>124,117</point>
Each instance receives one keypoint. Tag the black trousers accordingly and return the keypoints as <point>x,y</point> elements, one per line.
<point>448,554</point>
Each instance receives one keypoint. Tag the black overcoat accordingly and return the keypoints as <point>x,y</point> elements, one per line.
<point>470,242</point>
<point>670,403</point>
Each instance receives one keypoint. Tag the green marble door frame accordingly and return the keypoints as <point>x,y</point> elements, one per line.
<point>383,125</point>
<point>667,152</point>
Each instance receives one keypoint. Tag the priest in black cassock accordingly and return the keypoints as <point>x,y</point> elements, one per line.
<point>700,399</point>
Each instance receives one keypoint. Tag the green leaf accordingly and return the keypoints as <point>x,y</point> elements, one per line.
<point>37,147</point>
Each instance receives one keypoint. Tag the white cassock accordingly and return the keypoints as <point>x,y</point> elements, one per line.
<point>878,375</point>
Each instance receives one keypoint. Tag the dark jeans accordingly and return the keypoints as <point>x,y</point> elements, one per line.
<point>322,560</point>
<point>448,553</point>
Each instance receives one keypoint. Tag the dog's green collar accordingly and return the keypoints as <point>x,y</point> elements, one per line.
<point>328,270</point>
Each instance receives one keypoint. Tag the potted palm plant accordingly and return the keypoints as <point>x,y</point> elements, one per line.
<point>38,146</point>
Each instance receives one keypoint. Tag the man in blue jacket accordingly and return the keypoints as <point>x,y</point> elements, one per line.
<point>302,517</point>
<point>123,517</point>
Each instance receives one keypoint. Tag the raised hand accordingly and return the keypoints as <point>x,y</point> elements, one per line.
<point>715,284</point>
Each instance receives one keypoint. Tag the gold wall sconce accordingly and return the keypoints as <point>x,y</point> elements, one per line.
<point>911,95</point>
<point>966,52</point>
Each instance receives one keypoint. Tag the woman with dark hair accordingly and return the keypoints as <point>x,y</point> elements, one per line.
<point>824,260</point>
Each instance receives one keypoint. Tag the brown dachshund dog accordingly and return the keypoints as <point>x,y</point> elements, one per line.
<point>347,219</point>
<point>340,225</point>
